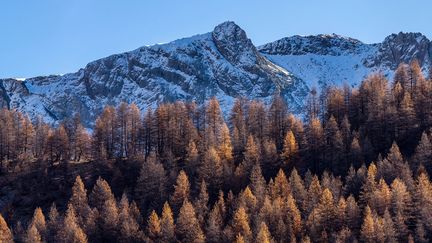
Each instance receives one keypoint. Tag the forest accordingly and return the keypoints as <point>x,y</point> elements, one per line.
<point>354,168</point>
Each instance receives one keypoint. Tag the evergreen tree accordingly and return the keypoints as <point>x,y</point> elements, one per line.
<point>201,204</point>
<point>71,232</point>
<point>181,191</point>
<point>211,169</point>
<point>240,223</point>
<point>80,203</point>
<point>423,153</point>
<point>128,228</point>
<point>152,182</point>
<point>53,223</point>
<point>368,226</point>
<point>38,221</point>
<point>187,225</point>
<point>167,224</point>
<point>5,232</point>
<point>263,235</point>
<point>290,148</point>
<point>32,235</point>
<point>154,227</point>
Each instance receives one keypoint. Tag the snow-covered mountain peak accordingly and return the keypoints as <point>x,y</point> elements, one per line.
<point>223,63</point>
<point>233,43</point>
<point>403,47</point>
<point>322,44</point>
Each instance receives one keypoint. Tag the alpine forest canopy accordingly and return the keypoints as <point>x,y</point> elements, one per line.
<point>355,168</point>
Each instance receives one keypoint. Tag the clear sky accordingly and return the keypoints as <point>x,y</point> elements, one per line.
<point>41,37</point>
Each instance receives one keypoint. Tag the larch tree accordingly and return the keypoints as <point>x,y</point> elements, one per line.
<point>211,169</point>
<point>251,157</point>
<point>423,153</point>
<point>238,123</point>
<point>167,224</point>
<point>80,202</point>
<point>333,146</point>
<point>192,159</point>
<point>151,185</point>
<point>257,182</point>
<point>53,223</point>
<point>240,223</point>
<point>263,235</point>
<point>32,235</point>
<point>101,192</point>
<point>201,203</point>
<point>128,226</point>
<point>181,191</point>
<point>71,232</point>
<point>5,232</point>
<point>214,123</point>
<point>367,233</point>
<point>38,221</point>
<point>290,148</point>
<point>154,227</point>
<point>187,225</point>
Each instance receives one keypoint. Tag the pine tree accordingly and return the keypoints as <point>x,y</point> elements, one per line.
<point>298,189</point>
<point>53,223</point>
<point>151,184</point>
<point>367,233</point>
<point>101,192</point>
<point>214,123</point>
<point>32,235</point>
<point>80,202</point>
<point>201,204</point>
<point>290,148</point>
<point>225,148</point>
<point>423,153</point>
<point>38,221</point>
<point>406,121</point>
<point>187,225</point>
<point>211,169</point>
<point>154,227</point>
<point>109,218</point>
<point>71,232</point>
<point>240,223</point>
<point>128,228</point>
<point>281,185</point>
<point>334,146</point>
<point>277,121</point>
<point>167,224</point>
<point>192,159</point>
<point>239,239</point>
<point>181,191</point>
<point>5,232</point>
<point>257,182</point>
<point>389,227</point>
<point>214,225</point>
<point>237,120</point>
<point>263,235</point>
<point>369,186</point>
<point>314,140</point>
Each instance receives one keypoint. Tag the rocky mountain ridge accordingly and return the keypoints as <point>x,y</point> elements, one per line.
<point>223,63</point>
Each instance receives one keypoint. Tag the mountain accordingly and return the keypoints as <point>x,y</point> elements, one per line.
<point>223,63</point>
<point>324,60</point>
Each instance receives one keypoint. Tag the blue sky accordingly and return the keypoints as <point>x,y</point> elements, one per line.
<point>41,37</point>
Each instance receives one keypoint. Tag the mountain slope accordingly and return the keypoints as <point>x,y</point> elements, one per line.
<point>223,63</point>
<point>333,60</point>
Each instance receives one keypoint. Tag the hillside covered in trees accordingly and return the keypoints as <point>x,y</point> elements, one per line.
<point>355,168</point>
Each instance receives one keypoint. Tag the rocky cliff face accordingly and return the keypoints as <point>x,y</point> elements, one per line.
<point>223,63</point>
